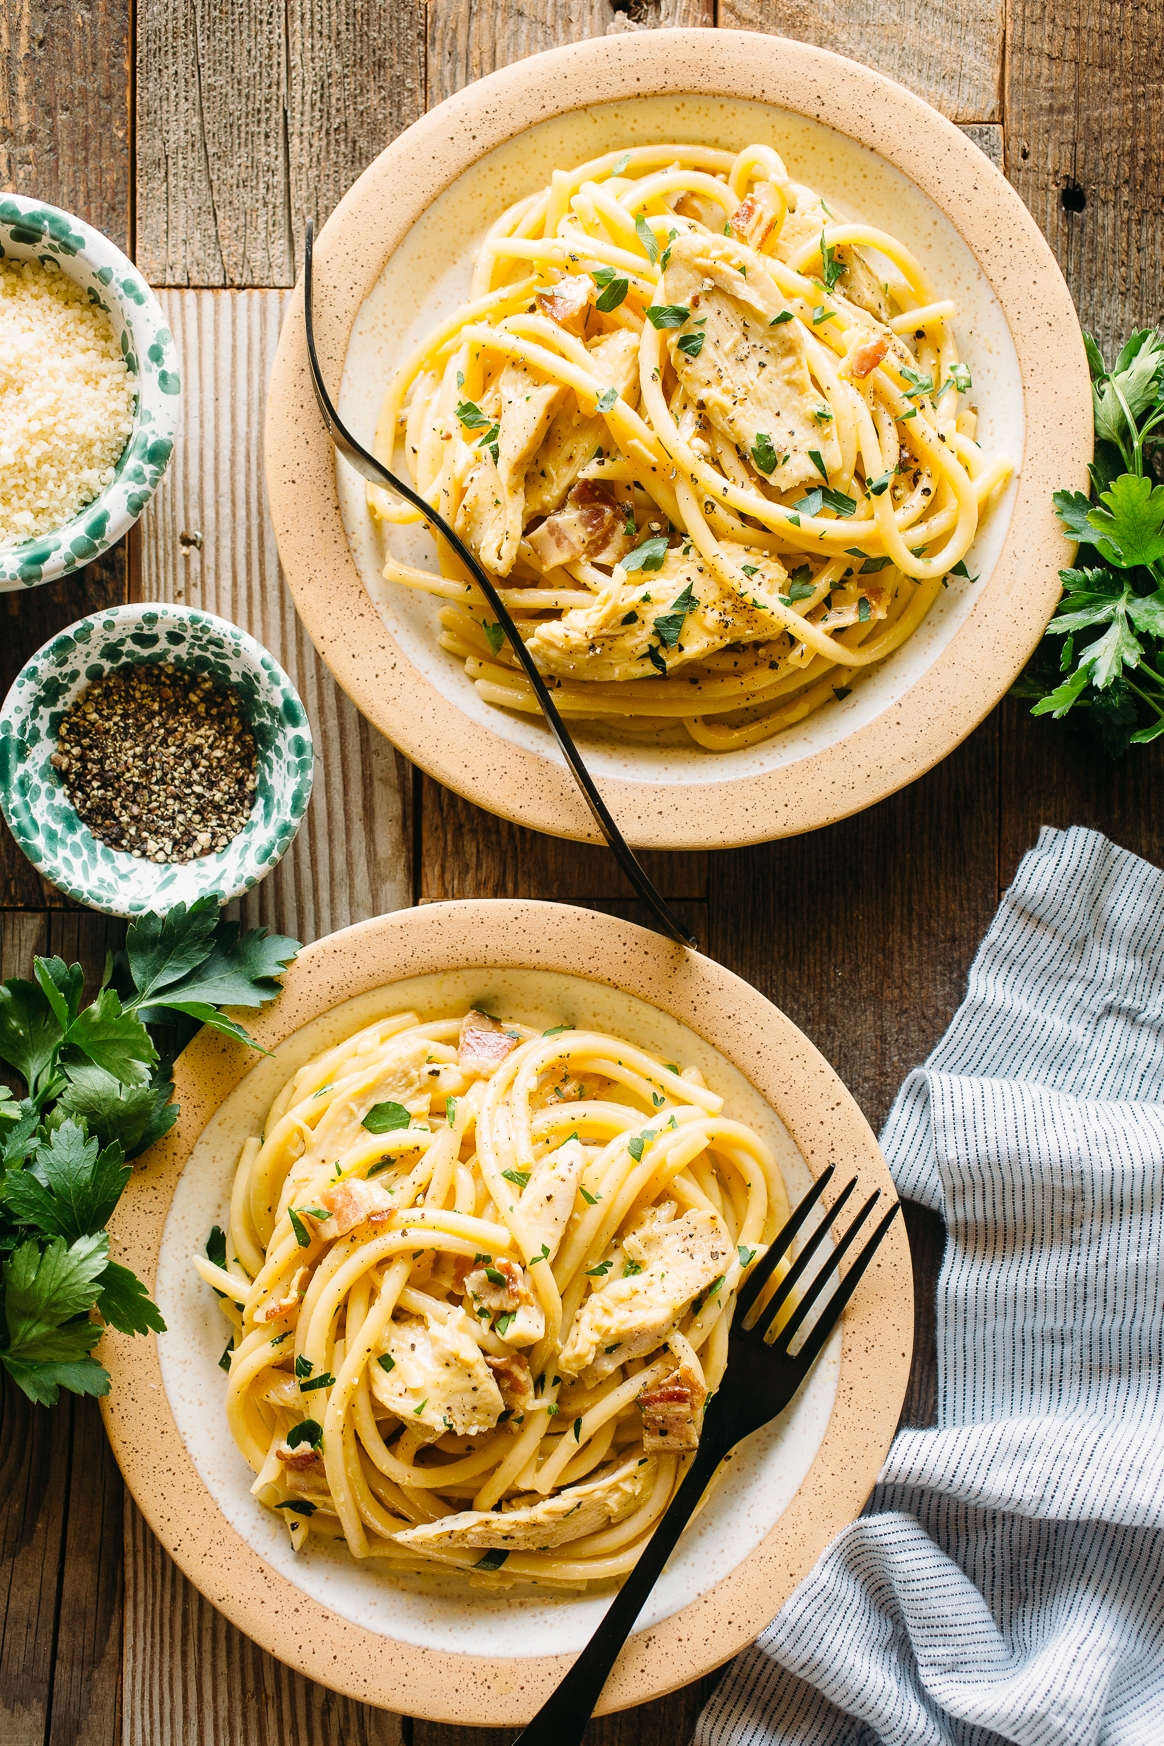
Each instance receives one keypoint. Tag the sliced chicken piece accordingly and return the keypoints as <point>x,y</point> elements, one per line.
<point>858,283</point>
<point>757,216</point>
<point>567,302</point>
<point>437,1381</point>
<point>493,508</point>
<point>662,619</point>
<point>591,524</point>
<point>503,1290</point>
<point>484,1043</point>
<point>548,1197</point>
<point>574,438</point>
<point>633,1315</point>
<point>750,379</point>
<point>287,1300</point>
<point>349,1204</point>
<point>579,1510</point>
<point>403,1080</point>
<point>673,1412</point>
<point>515,1380</point>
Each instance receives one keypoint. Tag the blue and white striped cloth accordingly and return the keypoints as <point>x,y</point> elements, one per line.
<point>1007,1580</point>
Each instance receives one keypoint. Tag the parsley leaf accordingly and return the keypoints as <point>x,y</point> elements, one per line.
<point>647,237</point>
<point>494,635</point>
<point>125,1303</point>
<point>386,1118</point>
<point>764,454</point>
<point>162,950</point>
<point>132,1115</point>
<point>691,343</point>
<point>1129,522</point>
<point>471,416</point>
<point>669,625</point>
<point>817,460</point>
<point>648,556</point>
<point>71,1186</point>
<point>779,320</point>
<point>614,294</point>
<point>48,1294</point>
<point>605,402</point>
<point>831,268</point>
<point>959,376</point>
<point>30,1032</point>
<point>664,315</point>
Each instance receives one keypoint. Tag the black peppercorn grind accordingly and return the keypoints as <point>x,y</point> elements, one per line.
<point>159,763</point>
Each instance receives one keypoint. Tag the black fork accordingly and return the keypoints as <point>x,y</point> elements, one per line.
<point>376,473</point>
<point>761,1379</point>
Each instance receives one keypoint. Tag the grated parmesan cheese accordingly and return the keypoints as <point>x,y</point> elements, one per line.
<point>66,400</point>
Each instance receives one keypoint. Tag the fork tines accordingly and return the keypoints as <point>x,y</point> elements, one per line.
<point>749,1309</point>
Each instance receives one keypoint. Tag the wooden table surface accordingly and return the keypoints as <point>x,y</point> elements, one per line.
<point>201,135</point>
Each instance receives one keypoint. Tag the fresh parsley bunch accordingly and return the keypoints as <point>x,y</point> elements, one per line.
<point>1111,616</point>
<point>97,1094</point>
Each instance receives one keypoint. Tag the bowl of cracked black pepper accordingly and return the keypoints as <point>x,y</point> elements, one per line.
<point>152,755</point>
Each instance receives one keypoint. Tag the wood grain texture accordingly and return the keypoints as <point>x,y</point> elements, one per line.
<point>948,51</point>
<point>987,136</point>
<point>207,542</point>
<point>86,1692</point>
<point>668,1721</point>
<point>191,1679</point>
<point>467,38</point>
<point>65,107</point>
<point>1084,91</point>
<point>34,1481</point>
<point>252,119</point>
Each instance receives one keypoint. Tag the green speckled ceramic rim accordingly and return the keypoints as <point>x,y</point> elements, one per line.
<point>39,812</point>
<point>30,230</point>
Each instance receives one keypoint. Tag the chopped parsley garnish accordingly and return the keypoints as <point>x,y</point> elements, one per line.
<point>631,1267</point>
<point>216,1246</point>
<point>614,294</point>
<point>303,1365</point>
<point>864,610</point>
<point>918,385</point>
<point>472,417</point>
<point>504,1322</point>
<point>495,1277</point>
<point>648,556</point>
<point>327,1380</point>
<point>959,569</point>
<point>871,566</point>
<point>277,1339</point>
<point>669,625</point>
<point>877,486</point>
<point>386,1118</point>
<point>840,692</point>
<point>764,454</point>
<point>590,1199</point>
<point>297,1505</point>
<point>380,1164</point>
<point>577,1430</point>
<point>416,1411</point>
<point>663,315</point>
<point>489,440</point>
<point>494,636</point>
<point>798,591</point>
<point>637,1142</point>
<point>821,315</point>
<point>600,1271</point>
<point>607,400</point>
<point>495,1558</point>
<point>556,1030</point>
<point>647,237</point>
<point>544,1256</point>
<point>302,1235</point>
<point>519,1178</point>
<point>655,657</point>
<point>840,501</point>
<point>811,503</point>
<point>616,169</point>
<point>386,1362</point>
<point>451,1111</point>
<point>817,460</point>
<point>631,618</point>
<point>959,376</point>
<point>746,1255</point>
<point>692,344</point>
<point>777,320</point>
<point>306,1431</point>
<point>224,1361</point>
<point>749,570</point>
<point>831,268</point>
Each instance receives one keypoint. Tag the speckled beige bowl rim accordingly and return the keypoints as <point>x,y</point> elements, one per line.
<point>982,659</point>
<point>826,1125</point>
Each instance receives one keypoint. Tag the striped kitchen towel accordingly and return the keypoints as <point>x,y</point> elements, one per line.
<point>1006,1582</point>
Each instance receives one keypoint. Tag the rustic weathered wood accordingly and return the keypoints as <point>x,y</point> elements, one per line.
<point>466,39</point>
<point>667,1722</point>
<point>86,1690</point>
<point>948,51</point>
<point>987,136</point>
<point>65,107</point>
<point>206,541</point>
<point>34,1477</point>
<point>252,119</point>
<point>1084,88</point>
<point>191,1679</point>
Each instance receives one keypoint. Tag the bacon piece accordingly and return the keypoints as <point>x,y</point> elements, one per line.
<point>515,1380</point>
<point>591,524</point>
<point>483,1043</point>
<point>756,217</point>
<point>867,357</point>
<point>350,1203</point>
<point>567,301</point>
<point>303,1457</point>
<point>508,1292</point>
<point>303,1469</point>
<point>671,1412</point>
<point>282,1306</point>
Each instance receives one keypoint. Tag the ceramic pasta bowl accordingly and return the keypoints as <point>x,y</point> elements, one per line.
<point>30,230</point>
<point>393,262</point>
<point>425,1644</point>
<point>33,797</point>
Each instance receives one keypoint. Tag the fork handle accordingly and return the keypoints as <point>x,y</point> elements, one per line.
<point>563,1718</point>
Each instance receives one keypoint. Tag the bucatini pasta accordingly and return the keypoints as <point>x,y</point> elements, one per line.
<point>480,1280</point>
<point>709,437</point>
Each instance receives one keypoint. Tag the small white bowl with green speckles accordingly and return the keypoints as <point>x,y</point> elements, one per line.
<point>31,230</point>
<point>44,821</point>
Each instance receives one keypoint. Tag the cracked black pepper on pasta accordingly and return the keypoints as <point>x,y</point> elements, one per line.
<point>159,763</point>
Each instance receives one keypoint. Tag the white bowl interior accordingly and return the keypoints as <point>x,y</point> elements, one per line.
<point>428,276</point>
<point>442,1612</point>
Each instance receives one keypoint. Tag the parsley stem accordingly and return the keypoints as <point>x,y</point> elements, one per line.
<point>1143,695</point>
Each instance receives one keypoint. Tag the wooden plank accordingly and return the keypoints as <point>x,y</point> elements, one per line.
<point>252,119</point>
<point>191,1677</point>
<point>207,542</point>
<point>948,51</point>
<point>34,1469</point>
<point>987,136</point>
<point>1083,89</point>
<point>66,108</point>
<point>467,40</point>
<point>668,1721</point>
<point>86,1692</point>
